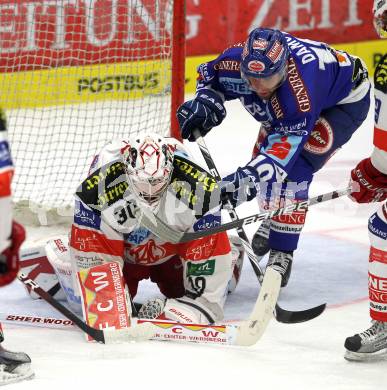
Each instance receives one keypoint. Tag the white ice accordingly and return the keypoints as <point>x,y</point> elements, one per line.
<point>330,266</point>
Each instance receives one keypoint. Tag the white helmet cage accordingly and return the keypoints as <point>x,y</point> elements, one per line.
<point>148,163</point>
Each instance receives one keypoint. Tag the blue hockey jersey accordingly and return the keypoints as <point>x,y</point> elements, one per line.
<point>319,77</point>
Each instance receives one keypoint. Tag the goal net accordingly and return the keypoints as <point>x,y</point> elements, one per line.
<point>75,74</point>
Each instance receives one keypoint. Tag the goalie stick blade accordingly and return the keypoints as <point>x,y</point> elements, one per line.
<point>139,332</point>
<point>251,331</point>
<point>216,334</point>
<point>294,317</point>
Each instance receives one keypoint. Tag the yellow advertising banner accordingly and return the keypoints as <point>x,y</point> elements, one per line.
<point>81,84</point>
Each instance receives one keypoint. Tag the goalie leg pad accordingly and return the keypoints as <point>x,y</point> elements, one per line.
<point>104,297</point>
<point>58,254</point>
<point>35,264</point>
<point>237,254</point>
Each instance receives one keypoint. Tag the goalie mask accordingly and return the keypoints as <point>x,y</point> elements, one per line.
<point>148,162</point>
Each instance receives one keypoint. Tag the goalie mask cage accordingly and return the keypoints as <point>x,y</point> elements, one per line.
<point>75,74</point>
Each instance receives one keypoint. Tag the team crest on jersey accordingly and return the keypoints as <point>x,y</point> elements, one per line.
<point>148,253</point>
<point>321,139</point>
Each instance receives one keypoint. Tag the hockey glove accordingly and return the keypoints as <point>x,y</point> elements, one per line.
<point>183,309</point>
<point>203,113</point>
<point>368,183</point>
<point>240,186</point>
<point>9,258</point>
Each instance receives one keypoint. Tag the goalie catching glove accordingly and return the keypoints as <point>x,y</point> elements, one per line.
<point>185,309</point>
<point>203,113</point>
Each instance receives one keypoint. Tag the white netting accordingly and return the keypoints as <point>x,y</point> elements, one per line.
<point>75,74</point>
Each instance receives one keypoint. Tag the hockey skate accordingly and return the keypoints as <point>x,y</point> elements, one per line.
<point>14,367</point>
<point>368,345</point>
<point>281,262</point>
<point>260,241</point>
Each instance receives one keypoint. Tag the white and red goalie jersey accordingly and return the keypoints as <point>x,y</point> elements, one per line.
<point>193,276</point>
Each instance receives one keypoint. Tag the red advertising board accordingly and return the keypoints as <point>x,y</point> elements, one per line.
<point>50,33</point>
<point>212,25</point>
<point>37,34</point>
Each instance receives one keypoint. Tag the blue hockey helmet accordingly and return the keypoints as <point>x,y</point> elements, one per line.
<point>265,53</point>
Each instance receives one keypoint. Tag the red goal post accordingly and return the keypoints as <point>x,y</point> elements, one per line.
<point>75,74</point>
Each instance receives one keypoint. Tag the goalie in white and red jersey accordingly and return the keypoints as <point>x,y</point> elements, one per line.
<point>14,366</point>
<point>110,250</point>
<point>370,175</point>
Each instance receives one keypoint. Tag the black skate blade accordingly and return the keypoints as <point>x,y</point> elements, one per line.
<point>294,317</point>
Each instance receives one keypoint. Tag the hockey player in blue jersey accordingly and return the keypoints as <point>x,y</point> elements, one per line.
<point>309,99</point>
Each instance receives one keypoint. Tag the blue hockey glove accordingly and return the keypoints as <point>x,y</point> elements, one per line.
<point>203,113</point>
<point>240,186</point>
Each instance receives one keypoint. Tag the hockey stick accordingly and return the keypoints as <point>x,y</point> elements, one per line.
<point>222,334</point>
<point>153,223</point>
<point>281,315</point>
<point>39,321</point>
<point>136,333</point>
<point>243,333</point>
